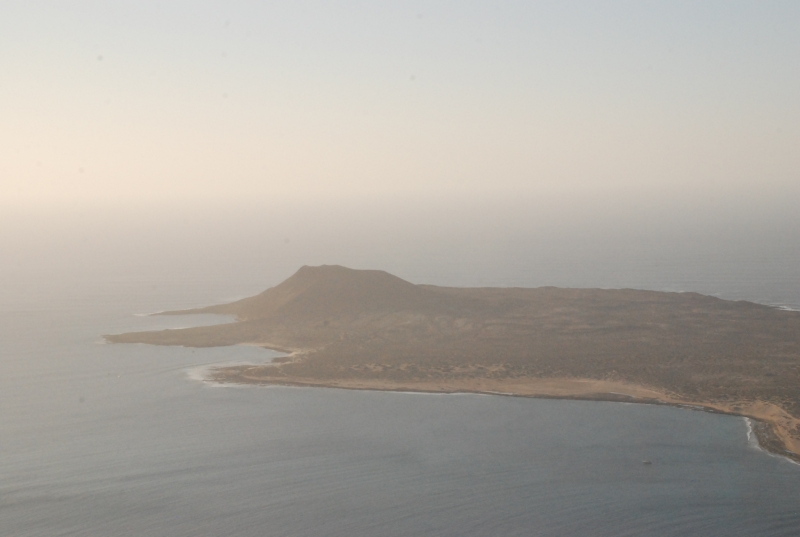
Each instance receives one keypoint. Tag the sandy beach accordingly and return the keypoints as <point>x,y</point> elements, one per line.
<point>771,423</point>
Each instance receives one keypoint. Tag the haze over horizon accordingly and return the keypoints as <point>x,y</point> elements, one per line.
<point>618,139</point>
<point>605,195</point>
<point>192,102</point>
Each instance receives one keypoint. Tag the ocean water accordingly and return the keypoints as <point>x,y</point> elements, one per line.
<point>118,440</point>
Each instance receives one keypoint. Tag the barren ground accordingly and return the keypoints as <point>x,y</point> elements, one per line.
<point>371,330</point>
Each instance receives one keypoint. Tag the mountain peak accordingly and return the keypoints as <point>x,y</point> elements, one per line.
<point>330,291</point>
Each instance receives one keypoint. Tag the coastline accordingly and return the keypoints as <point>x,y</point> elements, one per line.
<point>370,330</point>
<point>769,423</point>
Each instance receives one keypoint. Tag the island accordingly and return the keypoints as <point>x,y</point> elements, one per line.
<point>368,329</point>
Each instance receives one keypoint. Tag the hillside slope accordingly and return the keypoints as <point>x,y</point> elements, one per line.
<point>368,325</point>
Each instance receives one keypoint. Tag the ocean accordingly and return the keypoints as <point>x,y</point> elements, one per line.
<point>119,440</point>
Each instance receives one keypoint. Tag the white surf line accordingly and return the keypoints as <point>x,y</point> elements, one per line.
<point>201,372</point>
<point>752,441</point>
<point>751,437</point>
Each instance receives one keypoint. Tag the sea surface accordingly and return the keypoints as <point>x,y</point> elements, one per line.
<point>127,440</point>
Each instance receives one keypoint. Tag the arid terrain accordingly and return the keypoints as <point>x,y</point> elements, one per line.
<point>365,329</point>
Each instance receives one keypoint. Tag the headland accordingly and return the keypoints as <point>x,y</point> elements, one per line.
<point>366,329</point>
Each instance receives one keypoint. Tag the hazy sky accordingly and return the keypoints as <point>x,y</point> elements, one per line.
<point>245,100</point>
